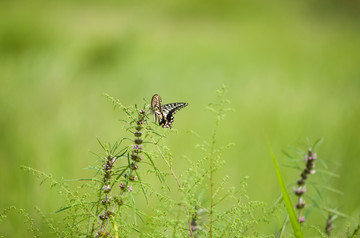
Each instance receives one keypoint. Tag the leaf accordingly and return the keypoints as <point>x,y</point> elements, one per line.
<point>142,187</point>
<point>289,207</point>
<point>102,146</point>
<point>119,176</point>
<point>158,173</point>
<point>288,155</point>
<point>63,209</point>
<point>133,207</point>
<point>333,190</point>
<point>99,156</point>
<point>328,173</point>
<point>94,168</point>
<point>116,145</point>
<point>317,143</point>
<point>83,179</point>
<point>125,151</point>
<point>291,166</point>
<point>334,211</point>
<point>284,226</point>
<point>317,190</point>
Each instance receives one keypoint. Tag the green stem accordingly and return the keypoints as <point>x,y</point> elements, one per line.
<point>115,227</point>
<point>211,175</point>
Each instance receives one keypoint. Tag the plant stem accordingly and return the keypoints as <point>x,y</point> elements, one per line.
<point>167,162</point>
<point>211,175</point>
<point>177,181</point>
<point>115,227</point>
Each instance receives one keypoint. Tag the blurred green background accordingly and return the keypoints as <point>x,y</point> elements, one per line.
<point>291,68</point>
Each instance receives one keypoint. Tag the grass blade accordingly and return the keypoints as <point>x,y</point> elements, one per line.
<point>289,207</point>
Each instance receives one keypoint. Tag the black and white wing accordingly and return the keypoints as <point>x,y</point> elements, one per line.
<point>168,111</point>
<point>165,113</point>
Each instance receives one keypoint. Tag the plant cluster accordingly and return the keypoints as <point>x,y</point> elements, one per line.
<point>197,203</point>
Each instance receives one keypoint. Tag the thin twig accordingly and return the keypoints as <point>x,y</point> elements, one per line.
<point>167,162</point>
<point>211,175</point>
<point>177,181</point>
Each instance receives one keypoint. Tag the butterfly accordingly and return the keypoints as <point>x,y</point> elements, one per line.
<point>165,113</point>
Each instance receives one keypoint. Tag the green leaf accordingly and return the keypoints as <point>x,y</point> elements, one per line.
<point>334,211</point>
<point>63,209</point>
<point>101,144</point>
<point>289,207</point>
<point>157,171</point>
<point>130,193</point>
<point>116,145</point>
<point>119,176</point>
<point>317,143</point>
<point>142,187</point>
<point>333,190</point>
<point>124,151</point>
<point>331,174</point>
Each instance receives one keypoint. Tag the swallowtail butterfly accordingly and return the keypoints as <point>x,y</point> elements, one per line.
<point>165,113</point>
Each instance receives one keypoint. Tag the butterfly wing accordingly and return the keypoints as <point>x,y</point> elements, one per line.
<point>168,111</point>
<point>156,108</point>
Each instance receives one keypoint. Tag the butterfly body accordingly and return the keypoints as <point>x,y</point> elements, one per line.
<point>165,113</point>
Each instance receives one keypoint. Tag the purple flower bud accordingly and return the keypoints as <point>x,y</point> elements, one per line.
<point>134,166</point>
<point>133,178</point>
<point>113,160</point>
<point>122,186</point>
<point>135,147</point>
<point>299,191</point>
<point>301,203</point>
<point>314,157</point>
<point>130,188</point>
<point>118,201</point>
<point>136,158</point>
<point>106,188</point>
<point>137,133</point>
<point>310,165</point>
<point>106,201</point>
<point>103,217</point>
<point>300,182</point>
<point>306,171</point>
<point>301,219</point>
<point>138,141</point>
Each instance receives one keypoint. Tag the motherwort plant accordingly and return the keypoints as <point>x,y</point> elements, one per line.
<point>129,196</point>
<point>301,189</point>
<point>316,189</point>
<point>112,197</point>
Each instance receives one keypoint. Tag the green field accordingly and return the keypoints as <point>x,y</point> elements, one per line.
<point>291,70</point>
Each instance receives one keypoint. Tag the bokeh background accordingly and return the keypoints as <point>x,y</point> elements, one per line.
<point>291,69</point>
